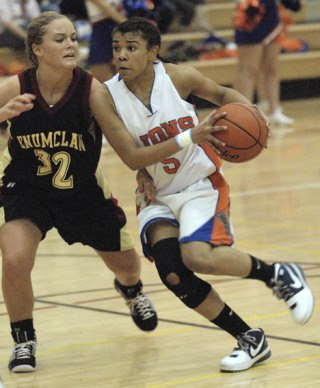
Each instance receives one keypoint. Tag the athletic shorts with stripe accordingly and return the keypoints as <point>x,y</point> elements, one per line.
<point>201,211</point>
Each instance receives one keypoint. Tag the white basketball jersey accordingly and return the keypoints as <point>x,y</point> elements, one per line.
<point>169,115</point>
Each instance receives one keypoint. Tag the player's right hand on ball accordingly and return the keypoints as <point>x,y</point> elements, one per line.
<point>203,133</point>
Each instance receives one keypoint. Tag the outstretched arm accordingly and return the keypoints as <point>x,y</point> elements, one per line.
<point>121,141</point>
<point>189,80</point>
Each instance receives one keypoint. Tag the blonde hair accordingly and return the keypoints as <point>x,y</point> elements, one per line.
<point>36,30</point>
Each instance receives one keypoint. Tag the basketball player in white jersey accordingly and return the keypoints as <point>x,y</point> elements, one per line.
<point>186,227</point>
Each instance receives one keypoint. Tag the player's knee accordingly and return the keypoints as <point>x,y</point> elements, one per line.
<point>166,254</point>
<point>190,289</point>
<point>198,257</point>
<point>15,264</point>
<point>190,262</point>
<point>186,286</point>
<point>172,279</point>
<point>189,256</point>
<point>194,260</point>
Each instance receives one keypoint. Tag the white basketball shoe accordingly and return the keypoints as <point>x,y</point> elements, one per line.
<point>252,349</point>
<point>290,285</point>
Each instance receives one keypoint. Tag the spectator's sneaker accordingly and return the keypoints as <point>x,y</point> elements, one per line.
<point>23,357</point>
<point>264,106</point>
<point>289,284</point>
<point>141,309</point>
<point>252,349</point>
<point>279,118</point>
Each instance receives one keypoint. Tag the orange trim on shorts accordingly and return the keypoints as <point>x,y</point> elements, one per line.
<point>212,155</point>
<point>221,233</point>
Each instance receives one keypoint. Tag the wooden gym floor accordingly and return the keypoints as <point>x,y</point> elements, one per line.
<point>83,326</point>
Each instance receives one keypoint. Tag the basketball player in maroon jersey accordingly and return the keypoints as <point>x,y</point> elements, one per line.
<point>50,180</point>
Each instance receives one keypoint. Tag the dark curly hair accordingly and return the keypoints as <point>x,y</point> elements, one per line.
<point>142,26</point>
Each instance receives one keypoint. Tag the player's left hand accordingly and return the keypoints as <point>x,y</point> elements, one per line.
<point>17,105</point>
<point>145,194</point>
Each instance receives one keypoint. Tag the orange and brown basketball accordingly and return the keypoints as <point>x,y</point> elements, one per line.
<point>246,135</point>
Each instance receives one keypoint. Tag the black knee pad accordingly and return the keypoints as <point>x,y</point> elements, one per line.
<point>167,257</point>
<point>191,290</point>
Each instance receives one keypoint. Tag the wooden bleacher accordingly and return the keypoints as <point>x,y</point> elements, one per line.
<point>295,66</point>
<point>219,15</point>
<point>308,32</point>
